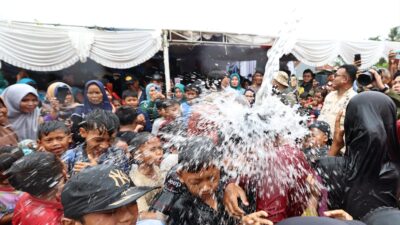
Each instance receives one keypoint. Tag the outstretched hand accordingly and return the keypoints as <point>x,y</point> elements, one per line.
<point>231,194</point>
<point>257,218</point>
<point>338,214</point>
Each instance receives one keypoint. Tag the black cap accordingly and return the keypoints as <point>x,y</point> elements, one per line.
<point>156,76</point>
<point>130,79</point>
<point>97,189</point>
<point>310,220</point>
<point>324,127</point>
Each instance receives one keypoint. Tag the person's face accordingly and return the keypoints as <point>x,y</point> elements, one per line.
<point>293,81</point>
<point>307,77</point>
<point>257,79</point>
<point>225,82</point>
<point>190,95</point>
<point>29,103</point>
<point>94,94</point>
<point>153,93</point>
<point>126,215</point>
<point>235,81</point>
<point>331,77</point>
<point>396,85</point>
<point>340,79</point>
<point>173,111</point>
<point>3,113</point>
<point>178,93</point>
<point>318,97</point>
<point>202,184</point>
<point>69,99</point>
<point>116,103</point>
<point>318,138</point>
<point>132,101</point>
<point>249,96</point>
<point>150,152</point>
<point>96,142</point>
<point>56,142</point>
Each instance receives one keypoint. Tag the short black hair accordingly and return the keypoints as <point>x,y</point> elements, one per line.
<point>259,71</point>
<point>170,102</point>
<point>160,104</point>
<point>8,155</point>
<point>102,121</point>
<point>36,173</point>
<point>129,93</point>
<point>396,74</point>
<point>47,127</point>
<point>139,140</point>
<point>351,71</point>
<point>309,71</point>
<point>197,153</point>
<point>126,115</point>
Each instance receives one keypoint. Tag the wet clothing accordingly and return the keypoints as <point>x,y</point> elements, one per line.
<point>30,210</point>
<point>313,154</point>
<point>113,156</point>
<point>367,177</point>
<point>8,199</point>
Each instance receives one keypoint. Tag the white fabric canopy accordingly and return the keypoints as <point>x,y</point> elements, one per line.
<point>51,48</point>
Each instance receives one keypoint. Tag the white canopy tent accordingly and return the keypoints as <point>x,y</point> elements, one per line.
<point>324,29</point>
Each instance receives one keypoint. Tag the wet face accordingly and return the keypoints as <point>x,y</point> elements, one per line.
<point>178,94</point>
<point>132,101</point>
<point>126,215</point>
<point>340,79</point>
<point>56,142</point>
<point>257,79</point>
<point>150,153</point>
<point>94,94</point>
<point>307,77</point>
<point>29,103</point>
<point>249,96</point>
<point>96,142</point>
<point>3,113</point>
<point>202,184</point>
<point>396,85</point>
<point>235,81</point>
<point>190,95</point>
<point>318,138</point>
<point>173,111</point>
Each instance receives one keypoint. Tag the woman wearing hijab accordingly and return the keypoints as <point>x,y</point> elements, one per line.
<point>22,102</point>
<point>179,93</point>
<point>369,171</point>
<point>7,135</point>
<point>153,92</point>
<point>61,100</point>
<point>235,83</point>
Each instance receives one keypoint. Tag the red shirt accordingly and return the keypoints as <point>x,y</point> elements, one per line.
<point>33,211</point>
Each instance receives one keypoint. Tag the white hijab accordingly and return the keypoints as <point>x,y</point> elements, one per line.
<point>25,125</point>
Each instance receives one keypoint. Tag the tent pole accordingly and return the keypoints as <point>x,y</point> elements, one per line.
<point>166,63</point>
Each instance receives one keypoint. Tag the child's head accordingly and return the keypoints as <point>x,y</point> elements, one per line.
<point>130,98</point>
<point>116,102</point>
<point>320,133</point>
<point>172,109</point>
<point>54,137</point>
<point>319,95</point>
<point>126,115</point>
<point>160,105</point>
<point>191,92</point>
<point>198,167</point>
<point>98,130</point>
<point>146,149</point>
<point>39,174</point>
<point>8,155</point>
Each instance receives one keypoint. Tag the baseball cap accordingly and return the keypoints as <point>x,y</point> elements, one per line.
<point>311,220</point>
<point>97,189</point>
<point>324,127</point>
<point>130,79</point>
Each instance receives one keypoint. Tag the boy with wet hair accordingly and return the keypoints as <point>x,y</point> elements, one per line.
<point>99,130</point>
<point>320,141</point>
<point>8,195</point>
<point>54,137</point>
<point>130,126</point>
<point>101,194</point>
<point>201,199</point>
<point>40,175</point>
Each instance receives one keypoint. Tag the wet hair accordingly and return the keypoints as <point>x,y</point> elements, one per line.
<point>170,102</point>
<point>47,127</point>
<point>102,121</point>
<point>129,93</point>
<point>196,154</point>
<point>36,173</point>
<point>126,115</point>
<point>351,71</point>
<point>309,71</point>
<point>193,87</point>
<point>8,155</point>
<point>140,139</point>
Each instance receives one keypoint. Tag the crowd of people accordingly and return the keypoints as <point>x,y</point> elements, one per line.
<point>100,156</point>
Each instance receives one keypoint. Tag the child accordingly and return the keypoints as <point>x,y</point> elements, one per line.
<point>98,130</point>
<point>8,195</point>
<point>147,153</point>
<point>172,110</point>
<point>40,175</point>
<point>201,199</point>
<point>160,105</point>
<point>54,137</point>
<point>130,98</point>
<point>320,141</point>
<point>130,123</point>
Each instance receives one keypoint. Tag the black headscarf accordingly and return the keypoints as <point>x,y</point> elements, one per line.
<point>372,155</point>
